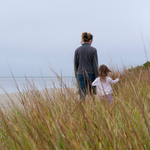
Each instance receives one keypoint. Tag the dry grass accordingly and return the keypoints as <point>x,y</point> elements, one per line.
<point>59,120</point>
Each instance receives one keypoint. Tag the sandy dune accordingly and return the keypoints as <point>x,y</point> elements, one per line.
<point>6,99</point>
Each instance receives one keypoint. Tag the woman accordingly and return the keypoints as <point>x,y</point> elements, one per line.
<point>85,64</point>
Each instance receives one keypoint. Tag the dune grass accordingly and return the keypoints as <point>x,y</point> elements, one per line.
<point>59,120</point>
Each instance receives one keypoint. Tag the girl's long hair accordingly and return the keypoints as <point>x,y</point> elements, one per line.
<point>103,72</point>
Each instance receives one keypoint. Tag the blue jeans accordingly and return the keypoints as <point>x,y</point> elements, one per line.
<point>85,84</point>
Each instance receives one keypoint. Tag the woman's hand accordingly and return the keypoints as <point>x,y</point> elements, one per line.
<point>118,75</point>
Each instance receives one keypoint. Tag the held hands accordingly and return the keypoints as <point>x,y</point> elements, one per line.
<point>118,75</point>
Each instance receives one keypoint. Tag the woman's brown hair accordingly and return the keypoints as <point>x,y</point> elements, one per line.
<point>86,37</point>
<point>103,72</point>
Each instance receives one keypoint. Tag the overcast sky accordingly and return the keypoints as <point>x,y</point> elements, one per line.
<point>34,33</point>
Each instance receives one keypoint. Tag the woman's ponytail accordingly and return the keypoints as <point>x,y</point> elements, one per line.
<point>86,37</point>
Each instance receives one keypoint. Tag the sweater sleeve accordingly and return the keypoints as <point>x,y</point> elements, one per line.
<point>76,63</point>
<point>95,82</point>
<point>113,81</point>
<point>95,64</point>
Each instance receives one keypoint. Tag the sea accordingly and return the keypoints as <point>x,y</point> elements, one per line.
<point>12,84</point>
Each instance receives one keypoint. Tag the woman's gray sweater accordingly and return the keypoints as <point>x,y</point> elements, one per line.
<point>86,60</point>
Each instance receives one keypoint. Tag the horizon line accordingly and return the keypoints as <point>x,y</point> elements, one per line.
<point>36,76</point>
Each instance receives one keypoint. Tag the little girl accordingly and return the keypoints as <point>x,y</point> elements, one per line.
<point>103,83</point>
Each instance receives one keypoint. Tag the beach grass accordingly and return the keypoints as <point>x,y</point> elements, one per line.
<point>60,120</point>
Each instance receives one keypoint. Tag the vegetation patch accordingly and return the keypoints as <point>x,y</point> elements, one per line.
<point>59,120</point>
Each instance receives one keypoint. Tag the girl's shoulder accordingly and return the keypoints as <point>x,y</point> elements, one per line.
<point>97,79</point>
<point>108,78</point>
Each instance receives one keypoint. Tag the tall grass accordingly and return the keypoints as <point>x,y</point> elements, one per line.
<point>57,119</point>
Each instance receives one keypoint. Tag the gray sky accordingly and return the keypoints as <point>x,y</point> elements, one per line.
<point>35,32</point>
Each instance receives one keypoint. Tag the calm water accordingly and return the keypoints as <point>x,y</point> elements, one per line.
<point>9,84</point>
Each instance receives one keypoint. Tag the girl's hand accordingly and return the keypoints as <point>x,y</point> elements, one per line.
<point>118,75</point>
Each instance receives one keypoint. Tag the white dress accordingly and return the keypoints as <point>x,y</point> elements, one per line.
<point>104,87</point>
